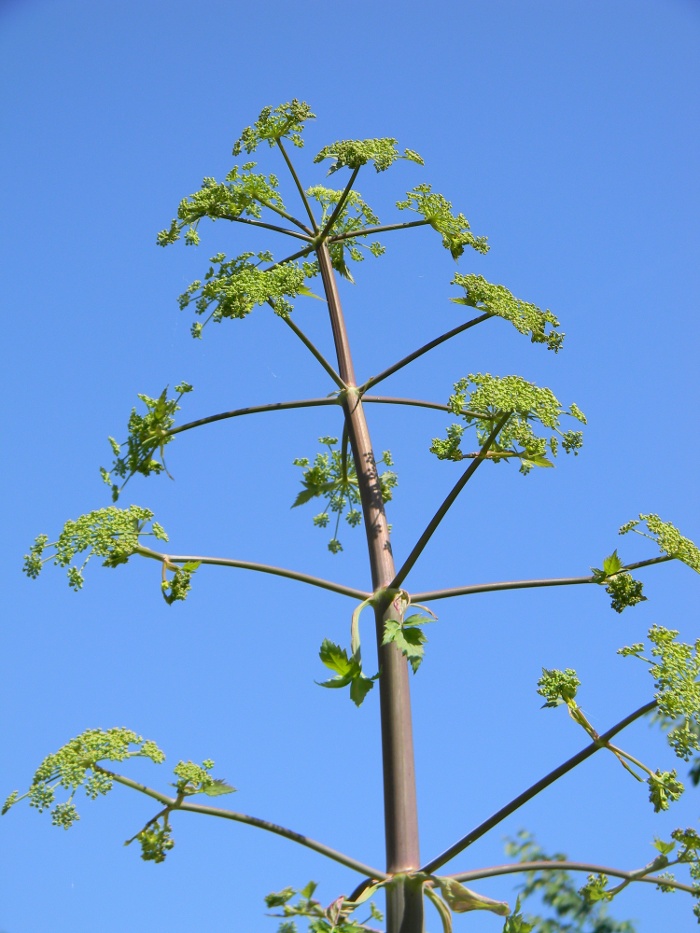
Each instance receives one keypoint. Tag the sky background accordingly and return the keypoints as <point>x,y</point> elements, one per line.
<point>568,133</point>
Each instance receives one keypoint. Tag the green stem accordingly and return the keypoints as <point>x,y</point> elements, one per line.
<point>282,213</point>
<point>536,788</point>
<point>384,228</point>
<point>338,208</point>
<point>404,914</point>
<point>424,349</point>
<point>620,754</point>
<point>431,595</point>
<point>444,508</point>
<point>266,226</point>
<point>300,188</point>
<point>302,252</point>
<point>553,865</point>
<point>251,565</point>
<point>314,351</point>
<point>173,804</point>
<point>418,403</point>
<point>255,410</point>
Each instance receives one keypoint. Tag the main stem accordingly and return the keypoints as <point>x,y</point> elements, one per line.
<point>404,911</point>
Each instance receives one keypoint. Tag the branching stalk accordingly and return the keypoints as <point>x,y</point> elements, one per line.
<point>255,410</point>
<point>536,788</point>
<point>384,228</point>
<point>446,505</point>
<point>251,565</point>
<point>314,351</point>
<point>641,874</point>
<point>177,803</point>
<point>299,186</point>
<point>339,206</point>
<point>431,595</point>
<point>266,226</point>
<point>424,349</point>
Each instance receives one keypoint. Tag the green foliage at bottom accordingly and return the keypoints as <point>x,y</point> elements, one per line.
<point>572,910</point>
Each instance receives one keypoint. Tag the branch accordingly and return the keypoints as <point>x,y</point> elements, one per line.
<point>444,508</point>
<point>302,252</point>
<point>554,865</point>
<point>536,788</point>
<point>255,410</point>
<point>173,804</point>
<point>298,183</point>
<point>251,565</point>
<point>260,223</point>
<point>425,349</point>
<point>339,206</point>
<point>419,403</point>
<point>385,228</point>
<point>278,210</point>
<point>316,353</point>
<point>525,584</point>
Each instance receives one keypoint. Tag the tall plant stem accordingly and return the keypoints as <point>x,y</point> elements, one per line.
<point>536,788</point>
<point>445,507</point>
<point>404,913</point>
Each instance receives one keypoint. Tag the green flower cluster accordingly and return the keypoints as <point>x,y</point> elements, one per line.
<point>355,214</point>
<point>334,478</point>
<point>523,402</point>
<point>437,210</point>
<point>147,433</point>
<point>275,123</point>
<point>675,667</point>
<point>75,765</point>
<point>620,585</point>
<point>354,153</point>
<point>110,533</point>
<point>232,288</point>
<point>497,300</point>
<point>243,194</point>
<point>668,538</point>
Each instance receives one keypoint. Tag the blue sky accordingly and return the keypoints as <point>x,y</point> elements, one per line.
<point>567,132</point>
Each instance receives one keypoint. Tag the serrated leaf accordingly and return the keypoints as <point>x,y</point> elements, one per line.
<point>218,789</point>
<point>311,492</point>
<point>360,687</point>
<point>336,658</point>
<point>537,460</point>
<point>612,564</point>
<point>665,848</point>
<point>307,293</point>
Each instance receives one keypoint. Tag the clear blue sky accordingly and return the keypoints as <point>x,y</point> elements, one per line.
<point>568,133</point>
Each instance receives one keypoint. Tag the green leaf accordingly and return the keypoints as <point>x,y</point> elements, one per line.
<point>612,564</point>
<point>307,293</point>
<point>462,899</point>
<point>536,460</point>
<point>336,658</point>
<point>217,788</point>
